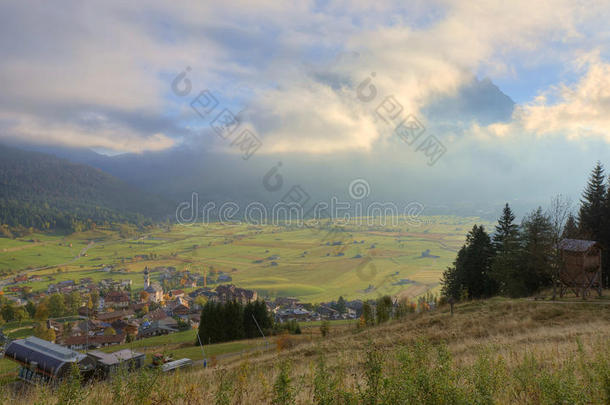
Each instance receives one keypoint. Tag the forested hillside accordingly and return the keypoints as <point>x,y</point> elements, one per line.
<point>45,192</point>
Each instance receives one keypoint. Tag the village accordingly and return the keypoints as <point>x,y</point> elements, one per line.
<point>82,314</point>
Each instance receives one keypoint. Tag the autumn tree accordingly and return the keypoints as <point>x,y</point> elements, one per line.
<point>41,331</point>
<point>57,306</point>
<point>42,311</point>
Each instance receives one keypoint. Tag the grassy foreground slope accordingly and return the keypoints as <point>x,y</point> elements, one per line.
<point>495,351</point>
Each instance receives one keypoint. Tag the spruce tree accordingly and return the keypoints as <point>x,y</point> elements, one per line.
<point>506,230</point>
<point>471,270</point>
<point>604,239</point>
<point>452,279</point>
<point>505,267</point>
<point>537,236</point>
<point>590,216</point>
<point>570,230</point>
<point>250,329</point>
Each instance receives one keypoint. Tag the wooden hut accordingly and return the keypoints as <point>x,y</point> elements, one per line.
<point>581,269</point>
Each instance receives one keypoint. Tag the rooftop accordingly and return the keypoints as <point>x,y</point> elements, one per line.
<point>50,349</point>
<point>116,357</point>
<point>576,245</point>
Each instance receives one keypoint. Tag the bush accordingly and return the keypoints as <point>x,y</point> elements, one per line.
<point>324,384</point>
<point>324,328</point>
<point>283,392</point>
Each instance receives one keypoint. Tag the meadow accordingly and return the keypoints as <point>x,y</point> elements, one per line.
<point>497,351</point>
<point>314,264</point>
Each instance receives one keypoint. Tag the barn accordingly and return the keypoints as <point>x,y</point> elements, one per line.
<point>44,361</point>
<point>581,270</point>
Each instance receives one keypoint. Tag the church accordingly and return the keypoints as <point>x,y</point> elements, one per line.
<point>154,290</point>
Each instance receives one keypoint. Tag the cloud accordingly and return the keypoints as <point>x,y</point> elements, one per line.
<point>577,110</point>
<point>419,66</point>
<point>99,75</point>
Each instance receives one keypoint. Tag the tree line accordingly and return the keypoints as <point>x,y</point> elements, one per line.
<point>223,322</point>
<point>521,259</point>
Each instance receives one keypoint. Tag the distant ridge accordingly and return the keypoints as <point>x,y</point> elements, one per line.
<point>46,192</point>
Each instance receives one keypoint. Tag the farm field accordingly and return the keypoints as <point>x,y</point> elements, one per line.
<point>357,260</point>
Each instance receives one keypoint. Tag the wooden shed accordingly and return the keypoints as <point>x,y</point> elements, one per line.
<point>581,269</point>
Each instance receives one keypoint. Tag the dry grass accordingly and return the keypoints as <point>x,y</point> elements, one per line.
<point>557,336</point>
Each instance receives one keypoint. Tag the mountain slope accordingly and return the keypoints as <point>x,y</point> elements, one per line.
<point>45,192</point>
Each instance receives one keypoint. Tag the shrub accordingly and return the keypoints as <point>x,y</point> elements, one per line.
<point>225,387</point>
<point>373,377</point>
<point>283,393</point>
<point>324,384</point>
<point>324,328</point>
<point>70,391</point>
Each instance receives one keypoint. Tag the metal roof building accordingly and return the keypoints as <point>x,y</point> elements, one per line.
<point>108,363</point>
<point>44,361</point>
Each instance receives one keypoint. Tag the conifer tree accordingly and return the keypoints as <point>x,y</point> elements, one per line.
<point>570,230</point>
<point>590,216</point>
<point>537,236</point>
<point>506,263</point>
<point>506,230</point>
<point>471,270</point>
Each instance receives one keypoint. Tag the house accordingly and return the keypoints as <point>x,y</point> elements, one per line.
<point>581,268</point>
<point>138,306</point>
<point>328,312</point>
<point>114,316</point>
<point>156,315</point>
<point>96,341</point>
<point>198,292</point>
<point>294,314</point>
<point>125,327</point>
<point>180,310</point>
<point>286,301</point>
<point>87,327</point>
<point>179,307</point>
<point>116,299</point>
<point>176,293</point>
<point>228,293</point>
<point>356,306</point>
<point>157,328</point>
<point>109,363</point>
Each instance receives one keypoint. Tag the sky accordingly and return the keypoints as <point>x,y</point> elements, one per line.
<point>513,98</point>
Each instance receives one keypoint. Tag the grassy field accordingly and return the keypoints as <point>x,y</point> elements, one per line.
<point>496,351</point>
<point>178,345</point>
<point>370,261</point>
<point>181,344</point>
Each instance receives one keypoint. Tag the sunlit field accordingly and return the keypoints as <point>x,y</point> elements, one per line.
<point>315,264</point>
